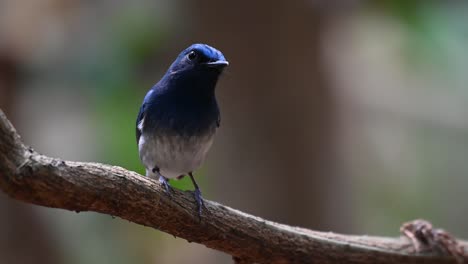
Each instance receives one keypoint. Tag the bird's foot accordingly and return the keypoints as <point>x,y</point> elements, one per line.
<point>198,196</point>
<point>200,204</point>
<point>165,182</point>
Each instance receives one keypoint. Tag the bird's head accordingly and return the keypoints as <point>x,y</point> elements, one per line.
<point>199,57</point>
<point>198,64</point>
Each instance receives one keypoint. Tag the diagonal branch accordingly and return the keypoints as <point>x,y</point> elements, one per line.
<point>80,186</point>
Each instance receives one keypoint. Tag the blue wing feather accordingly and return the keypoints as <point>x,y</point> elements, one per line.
<point>141,115</point>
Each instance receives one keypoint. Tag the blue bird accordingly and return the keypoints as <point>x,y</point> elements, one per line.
<point>179,117</point>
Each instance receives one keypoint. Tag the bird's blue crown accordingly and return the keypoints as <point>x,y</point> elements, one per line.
<point>206,53</point>
<point>199,57</point>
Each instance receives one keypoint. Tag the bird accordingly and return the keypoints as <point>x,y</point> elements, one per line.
<point>179,117</point>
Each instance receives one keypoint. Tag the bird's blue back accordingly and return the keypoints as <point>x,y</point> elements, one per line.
<point>183,102</point>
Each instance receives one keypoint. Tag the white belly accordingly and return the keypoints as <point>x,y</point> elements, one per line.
<point>173,155</point>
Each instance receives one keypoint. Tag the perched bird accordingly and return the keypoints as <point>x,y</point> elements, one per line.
<point>179,117</point>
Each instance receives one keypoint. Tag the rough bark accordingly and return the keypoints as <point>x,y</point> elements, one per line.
<point>84,186</point>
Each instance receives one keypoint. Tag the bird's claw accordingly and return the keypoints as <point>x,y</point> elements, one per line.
<point>200,203</point>
<point>167,186</point>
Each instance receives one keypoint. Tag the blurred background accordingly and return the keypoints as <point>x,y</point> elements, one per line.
<point>343,116</point>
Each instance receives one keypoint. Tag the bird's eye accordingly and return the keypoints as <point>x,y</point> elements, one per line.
<point>192,55</point>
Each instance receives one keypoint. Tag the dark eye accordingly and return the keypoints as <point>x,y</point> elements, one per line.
<point>192,55</point>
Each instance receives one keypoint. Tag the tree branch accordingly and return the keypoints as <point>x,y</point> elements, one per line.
<point>80,186</point>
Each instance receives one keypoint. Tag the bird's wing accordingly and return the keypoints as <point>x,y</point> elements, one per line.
<point>140,121</point>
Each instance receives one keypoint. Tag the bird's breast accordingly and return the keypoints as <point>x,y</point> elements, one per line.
<point>174,154</point>
<point>187,115</point>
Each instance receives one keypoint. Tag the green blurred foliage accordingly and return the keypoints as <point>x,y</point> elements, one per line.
<point>437,34</point>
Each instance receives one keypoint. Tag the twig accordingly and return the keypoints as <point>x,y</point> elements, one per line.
<point>425,238</point>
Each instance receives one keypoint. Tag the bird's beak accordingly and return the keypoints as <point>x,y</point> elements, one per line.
<point>217,64</point>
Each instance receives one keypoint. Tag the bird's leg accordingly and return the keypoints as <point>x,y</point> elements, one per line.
<point>198,195</point>
<point>164,181</point>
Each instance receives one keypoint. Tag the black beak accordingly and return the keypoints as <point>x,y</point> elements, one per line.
<point>219,64</point>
